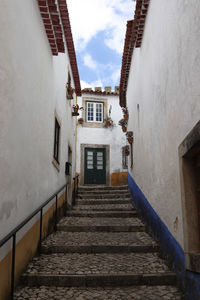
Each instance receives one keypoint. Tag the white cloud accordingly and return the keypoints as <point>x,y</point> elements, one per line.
<point>115,76</point>
<point>85,84</point>
<point>89,62</point>
<point>89,17</point>
<point>93,84</point>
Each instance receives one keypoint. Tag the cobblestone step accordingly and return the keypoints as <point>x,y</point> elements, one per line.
<point>84,224</point>
<point>99,242</point>
<point>101,202</point>
<point>105,293</point>
<point>105,207</point>
<point>85,221</point>
<point>102,188</point>
<point>104,196</point>
<point>99,238</point>
<point>100,280</point>
<point>98,269</point>
<point>99,249</point>
<point>102,228</point>
<point>103,192</point>
<point>101,214</point>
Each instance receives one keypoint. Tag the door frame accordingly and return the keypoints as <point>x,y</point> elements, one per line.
<point>107,148</point>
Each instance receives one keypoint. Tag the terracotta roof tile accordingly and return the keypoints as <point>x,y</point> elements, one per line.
<point>53,16</point>
<point>133,38</point>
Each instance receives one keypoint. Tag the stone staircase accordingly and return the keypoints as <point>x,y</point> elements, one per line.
<point>100,251</point>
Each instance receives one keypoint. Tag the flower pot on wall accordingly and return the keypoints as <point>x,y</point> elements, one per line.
<point>108,123</point>
<point>69,97</point>
<point>124,128</point>
<point>80,121</point>
<point>125,116</point>
<point>130,140</point>
<point>70,92</point>
<point>127,152</point>
<point>75,114</point>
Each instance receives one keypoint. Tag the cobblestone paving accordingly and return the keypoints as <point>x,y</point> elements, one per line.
<point>100,221</point>
<point>105,264</point>
<point>148,263</point>
<point>127,293</point>
<point>99,238</point>
<point>106,197</point>
<point>104,207</point>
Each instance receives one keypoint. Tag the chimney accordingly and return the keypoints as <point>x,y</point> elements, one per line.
<point>108,89</point>
<point>98,89</point>
<point>117,90</point>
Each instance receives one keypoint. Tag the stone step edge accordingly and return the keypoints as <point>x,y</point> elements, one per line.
<point>94,280</point>
<point>109,214</point>
<point>102,228</point>
<point>104,209</point>
<point>96,194</point>
<point>101,202</point>
<point>104,195</point>
<point>102,187</point>
<point>92,249</point>
<point>105,199</point>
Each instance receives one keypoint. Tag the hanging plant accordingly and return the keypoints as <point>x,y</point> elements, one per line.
<point>70,91</point>
<point>108,122</point>
<point>69,88</point>
<point>76,109</point>
<point>123,124</point>
<point>126,151</point>
<point>80,120</point>
<point>129,136</point>
<point>125,112</point>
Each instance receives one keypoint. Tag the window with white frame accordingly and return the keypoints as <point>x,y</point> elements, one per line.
<point>94,112</point>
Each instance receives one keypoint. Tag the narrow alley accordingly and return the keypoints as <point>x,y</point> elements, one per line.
<point>100,149</point>
<point>100,251</point>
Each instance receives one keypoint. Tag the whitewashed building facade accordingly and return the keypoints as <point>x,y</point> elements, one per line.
<point>100,140</point>
<point>160,86</point>
<point>37,130</point>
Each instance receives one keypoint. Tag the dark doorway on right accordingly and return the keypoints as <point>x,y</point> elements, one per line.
<point>189,154</point>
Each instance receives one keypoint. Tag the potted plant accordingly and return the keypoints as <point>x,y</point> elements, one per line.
<point>70,91</point>
<point>125,112</point>
<point>123,124</point>
<point>129,135</point>
<point>127,152</point>
<point>108,122</point>
<point>80,120</point>
<point>76,109</point>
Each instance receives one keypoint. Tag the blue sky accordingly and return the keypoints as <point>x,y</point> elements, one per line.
<point>98,28</point>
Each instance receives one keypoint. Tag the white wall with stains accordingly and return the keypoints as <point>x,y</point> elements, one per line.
<point>163,98</point>
<point>32,90</point>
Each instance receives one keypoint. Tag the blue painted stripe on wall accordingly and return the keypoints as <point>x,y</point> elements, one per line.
<point>188,281</point>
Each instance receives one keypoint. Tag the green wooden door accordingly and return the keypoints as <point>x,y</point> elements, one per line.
<point>95,166</point>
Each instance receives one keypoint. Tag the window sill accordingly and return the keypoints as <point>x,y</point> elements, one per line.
<point>56,164</point>
<point>93,124</point>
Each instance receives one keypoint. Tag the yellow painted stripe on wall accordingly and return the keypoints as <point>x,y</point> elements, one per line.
<point>26,249</point>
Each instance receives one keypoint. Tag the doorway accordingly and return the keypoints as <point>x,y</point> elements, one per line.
<point>95,166</point>
<point>189,153</point>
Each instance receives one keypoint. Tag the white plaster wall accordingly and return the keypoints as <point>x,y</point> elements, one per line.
<point>32,88</point>
<point>164,81</point>
<point>112,136</point>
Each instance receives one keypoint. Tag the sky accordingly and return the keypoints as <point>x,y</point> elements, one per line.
<point>98,28</point>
